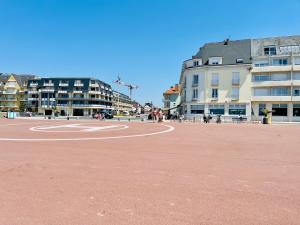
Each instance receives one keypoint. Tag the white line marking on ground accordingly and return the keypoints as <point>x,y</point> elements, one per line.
<point>170,129</point>
<point>80,127</point>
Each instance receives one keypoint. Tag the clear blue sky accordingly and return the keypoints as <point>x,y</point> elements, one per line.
<point>145,41</point>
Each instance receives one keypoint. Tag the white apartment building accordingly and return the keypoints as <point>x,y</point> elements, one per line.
<point>241,78</point>
<point>217,80</point>
<point>276,77</point>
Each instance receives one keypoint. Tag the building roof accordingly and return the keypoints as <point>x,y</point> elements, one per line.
<point>21,79</point>
<point>229,50</point>
<point>173,90</point>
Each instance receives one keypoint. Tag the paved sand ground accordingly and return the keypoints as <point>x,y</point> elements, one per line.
<point>196,174</point>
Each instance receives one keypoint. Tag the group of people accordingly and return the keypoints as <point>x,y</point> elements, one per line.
<point>156,115</point>
<point>99,116</point>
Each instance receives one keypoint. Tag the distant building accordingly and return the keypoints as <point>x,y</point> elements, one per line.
<point>13,90</point>
<point>122,103</point>
<point>171,99</point>
<point>69,96</point>
<point>241,78</point>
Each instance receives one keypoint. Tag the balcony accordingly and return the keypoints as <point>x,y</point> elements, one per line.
<point>63,84</point>
<point>77,92</point>
<point>78,84</point>
<point>272,68</point>
<point>49,84</point>
<point>95,92</point>
<point>94,85</point>
<point>62,105</point>
<point>47,90</point>
<point>195,84</point>
<point>9,92</point>
<point>8,99</point>
<point>271,98</point>
<point>33,84</point>
<point>33,99</point>
<point>271,83</point>
<point>62,92</point>
<point>33,92</point>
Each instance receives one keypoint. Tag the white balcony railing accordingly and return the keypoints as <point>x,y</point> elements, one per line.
<point>78,84</point>
<point>63,84</point>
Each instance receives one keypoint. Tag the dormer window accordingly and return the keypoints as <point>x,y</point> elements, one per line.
<point>239,60</point>
<point>270,50</point>
<point>215,61</point>
<point>198,62</point>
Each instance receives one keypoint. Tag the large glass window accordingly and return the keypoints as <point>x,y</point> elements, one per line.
<point>216,109</point>
<point>260,77</point>
<point>280,76</point>
<point>261,107</point>
<point>261,63</point>
<point>280,62</point>
<point>279,109</point>
<point>261,91</point>
<point>270,50</point>
<point>197,109</point>
<point>296,109</point>
<point>280,91</point>
<point>237,109</point>
<point>296,76</point>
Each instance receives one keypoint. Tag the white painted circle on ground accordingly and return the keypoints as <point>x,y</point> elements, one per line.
<point>169,129</point>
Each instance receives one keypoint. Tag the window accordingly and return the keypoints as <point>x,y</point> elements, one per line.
<point>214,93</point>
<point>279,76</point>
<point>297,61</point>
<point>195,79</point>
<point>280,91</point>
<point>279,110</point>
<point>237,109</point>
<point>215,61</point>
<point>235,92</point>
<point>279,62</point>
<point>215,79</point>
<point>296,76</point>
<point>235,78</point>
<point>239,60</point>
<point>296,91</point>
<point>216,109</point>
<point>195,93</point>
<point>296,109</point>
<point>261,107</point>
<point>197,109</point>
<point>270,50</point>
<point>261,63</point>
<point>197,63</point>
<point>260,77</point>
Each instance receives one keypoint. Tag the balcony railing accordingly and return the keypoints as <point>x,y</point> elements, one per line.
<point>48,84</point>
<point>33,84</point>
<point>63,84</point>
<point>78,84</point>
